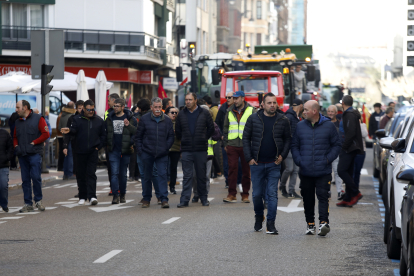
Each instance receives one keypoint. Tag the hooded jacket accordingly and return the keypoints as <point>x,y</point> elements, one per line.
<point>66,113</point>
<point>293,119</point>
<point>314,148</point>
<point>353,136</point>
<point>89,132</point>
<point>154,138</point>
<point>204,128</point>
<point>127,133</point>
<point>252,136</point>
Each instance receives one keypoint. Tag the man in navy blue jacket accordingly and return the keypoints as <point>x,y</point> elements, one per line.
<point>315,146</point>
<point>153,140</point>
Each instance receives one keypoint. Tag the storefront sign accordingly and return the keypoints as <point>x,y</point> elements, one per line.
<point>170,83</point>
<point>145,77</point>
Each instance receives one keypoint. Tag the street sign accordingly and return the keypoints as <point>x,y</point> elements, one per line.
<point>47,48</point>
<point>410,61</point>
<point>170,83</point>
<point>410,15</point>
<point>410,30</point>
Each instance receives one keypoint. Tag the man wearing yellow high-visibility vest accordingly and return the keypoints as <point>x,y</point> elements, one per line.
<point>233,127</point>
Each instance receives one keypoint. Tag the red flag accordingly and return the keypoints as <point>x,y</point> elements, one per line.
<point>161,91</point>
<point>184,81</point>
<point>107,95</point>
<point>365,115</point>
<point>129,101</point>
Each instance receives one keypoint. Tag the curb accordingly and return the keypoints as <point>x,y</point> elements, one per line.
<point>44,180</point>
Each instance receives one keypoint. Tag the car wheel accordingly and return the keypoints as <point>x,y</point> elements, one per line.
<point>386,226</point>
<point>393,244</point>
<point>403,264</point>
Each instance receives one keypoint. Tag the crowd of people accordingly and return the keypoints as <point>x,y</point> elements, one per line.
<point>264,149</point>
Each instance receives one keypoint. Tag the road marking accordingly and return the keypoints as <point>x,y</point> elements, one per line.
<point>171,220</point>
<point>383,219</point>
<point>106,257</point>
<point>65,185</point>
<point>50,208</point>
<point>292,207</point>
<point>73,198</point>
<point>112,207</point>
<point>45,188</point>
<point>379,195</point>
<point>210,198</point>
<point>395,261</point>
<point>64,202</point>
<point>28,213</point>
<point>365,203</point>
<point>380,204</point>
<point>364,172</point>
<point>99,171</point>
<point>397,272</point>
<point>382,215</point>
<point>11,218</point>
<point>379,200</point>
<point>382,209</point>
<point>6,221</point>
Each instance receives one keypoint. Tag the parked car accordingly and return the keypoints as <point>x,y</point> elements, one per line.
<point>403,159</point>
<point>406,178</point>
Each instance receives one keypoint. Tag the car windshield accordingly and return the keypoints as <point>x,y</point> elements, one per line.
<point>396,123</point>
<point>253,85</point>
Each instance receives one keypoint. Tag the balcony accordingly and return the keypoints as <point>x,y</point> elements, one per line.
<point>86,43</point>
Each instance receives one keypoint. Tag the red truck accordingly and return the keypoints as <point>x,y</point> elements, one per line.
<point>254,83</point>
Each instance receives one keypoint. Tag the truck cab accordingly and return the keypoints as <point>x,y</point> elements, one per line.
<point>254,84</point>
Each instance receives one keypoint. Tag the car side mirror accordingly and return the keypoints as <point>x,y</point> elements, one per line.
<point>406,176</point>
<point>380,133</point>
<point>398,145</point>
<point>385,143</point>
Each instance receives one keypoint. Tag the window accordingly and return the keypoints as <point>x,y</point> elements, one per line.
<point>19,14</point>
<point>54,105</point>
<point>22,15</point>
<point>259,9</point>
<point>5,15</point>
<point>258,39</point>
<point>36,15</point>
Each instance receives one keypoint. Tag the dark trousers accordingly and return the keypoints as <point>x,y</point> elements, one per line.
<point>74,157</point>
<point>174,157</point>
<point>358,164</point>
<point>233,155</point>
<point>108,167</point>
<point>346,172</point>
<point>161,164</point>
<point>226,168</point>
<point>86,174</point>
<point>198,160</point>
<point>31,169</point>
<point>133,166</point>
<point>216,166</point>
<point>61,156</point>
<point>321,185</point>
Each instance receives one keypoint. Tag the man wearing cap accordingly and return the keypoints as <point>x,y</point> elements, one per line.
<point>291,169</point>
<point>234,122</point>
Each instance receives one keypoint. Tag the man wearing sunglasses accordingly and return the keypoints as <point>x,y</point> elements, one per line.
<point>89,130</point>
<point>120,127</point>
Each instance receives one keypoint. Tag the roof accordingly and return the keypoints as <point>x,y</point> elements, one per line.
<point>264,58</point>
<point>252,73</point>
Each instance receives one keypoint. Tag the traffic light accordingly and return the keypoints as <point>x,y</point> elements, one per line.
<point>46,79</point>
<point>191,49</point>
<point>194,81</point>
<point>179,73</point>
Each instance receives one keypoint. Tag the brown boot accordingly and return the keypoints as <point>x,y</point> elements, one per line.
<point>245,198</point>
<point>230,199</point>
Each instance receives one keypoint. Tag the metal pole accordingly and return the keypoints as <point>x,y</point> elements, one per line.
<point>44,98</point>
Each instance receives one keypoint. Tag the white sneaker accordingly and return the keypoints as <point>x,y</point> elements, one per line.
<point>323,229</point>
<point>81,202</point>
<point>311,229</point>
<point>93,201</point>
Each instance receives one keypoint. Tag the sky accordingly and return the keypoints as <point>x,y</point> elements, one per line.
<point>343,24</point>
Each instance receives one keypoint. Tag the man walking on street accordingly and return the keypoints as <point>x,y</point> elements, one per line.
<point>234,124</point>
<point>89,130</point>
<point>194,126</point>
<point>6,155</point>
<point>315,145</point>
<point>120,127</point>
<point>154,138</point>
<point>291,170</point>
<point>111,101</point>
<point>67,112</point>
<point>374,120</point>
<point>30,133</point>
<point>266,142</point>
<point>351,146</point>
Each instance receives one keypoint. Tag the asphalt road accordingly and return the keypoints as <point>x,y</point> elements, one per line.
<point>125,239</point>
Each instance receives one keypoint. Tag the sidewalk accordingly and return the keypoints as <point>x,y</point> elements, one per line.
<point>15,178</point>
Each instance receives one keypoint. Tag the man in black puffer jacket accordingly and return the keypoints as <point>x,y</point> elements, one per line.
<point>6,154</point>
<point>89,130</point>
<point>194,126</point>
<point>153,140</point>
<point>266,143</point>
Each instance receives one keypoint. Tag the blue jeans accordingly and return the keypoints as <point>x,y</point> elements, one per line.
<point>119,165</point>
<point>265,177</point>
<point>153,179</point>
<point>4,187</point>
<point>226,167</point>
<point>358,164</point>
<point>31,168</point>
<point>68,162</point>
<point>161,164</point>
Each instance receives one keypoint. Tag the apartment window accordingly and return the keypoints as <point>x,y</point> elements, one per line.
<point>36,15</point>
<point>259,9</point>
<point>5,14</point>
<point>258,39</point>
<point>22,15</point>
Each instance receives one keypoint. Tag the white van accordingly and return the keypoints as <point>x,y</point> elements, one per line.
<point>8,103</point>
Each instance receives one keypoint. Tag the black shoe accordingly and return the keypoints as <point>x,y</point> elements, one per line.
<point>122,199</point>
<point>77,195</point>
<point>115,200</point>
<point>110,193</point>
<point>182,205</point>
<point>270,228</point>
<point>172,190</point>
<point>64,177</point>
<point>5,209</point>
<point>294,195</point>
<point>284,193</point>
<point>194,200</point>
<point>205,203</point>
<point>258,225</point>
